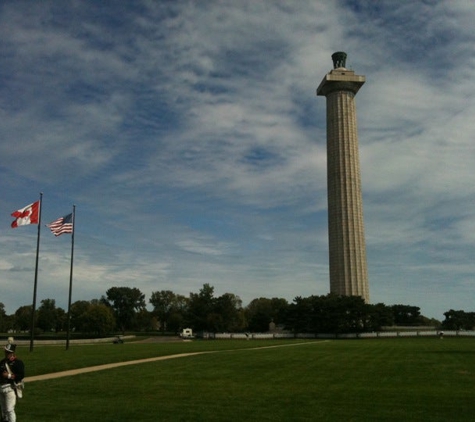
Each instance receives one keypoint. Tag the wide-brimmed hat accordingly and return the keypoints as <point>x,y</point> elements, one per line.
<point>10,348</point>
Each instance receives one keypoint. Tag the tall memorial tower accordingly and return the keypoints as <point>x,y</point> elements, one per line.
<point>348,268</point>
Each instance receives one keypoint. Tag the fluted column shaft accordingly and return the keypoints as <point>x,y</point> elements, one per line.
<point>347,247</point>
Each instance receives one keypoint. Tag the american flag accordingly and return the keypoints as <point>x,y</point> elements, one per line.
<point>62,225</point>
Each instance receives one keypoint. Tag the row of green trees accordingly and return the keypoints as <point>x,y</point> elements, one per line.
<point>124,309</point>
<point>459,320</point>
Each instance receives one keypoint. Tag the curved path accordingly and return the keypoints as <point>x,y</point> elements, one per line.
<point>106,366</point>
<point>135,362</point>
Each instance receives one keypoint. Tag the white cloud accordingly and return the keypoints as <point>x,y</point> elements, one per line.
<point>193,143</point>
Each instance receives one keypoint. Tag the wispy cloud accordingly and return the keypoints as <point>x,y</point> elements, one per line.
<point>190,137</point>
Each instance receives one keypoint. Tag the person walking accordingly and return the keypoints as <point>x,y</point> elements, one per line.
<point>12,372</point>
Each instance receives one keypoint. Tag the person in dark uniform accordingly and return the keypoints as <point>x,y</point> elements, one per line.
<point>12,372</point>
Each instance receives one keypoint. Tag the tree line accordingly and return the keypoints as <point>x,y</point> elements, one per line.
<point>124,309</point>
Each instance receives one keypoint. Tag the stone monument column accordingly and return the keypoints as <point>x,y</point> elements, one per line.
<point>347,247</point>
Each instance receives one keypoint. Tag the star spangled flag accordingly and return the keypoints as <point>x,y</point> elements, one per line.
<point>62,225</point>
<point>28,215</point>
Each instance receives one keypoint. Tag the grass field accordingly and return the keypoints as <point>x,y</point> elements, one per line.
<point>410,379</point>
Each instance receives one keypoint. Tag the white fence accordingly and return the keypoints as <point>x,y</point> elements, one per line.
<point>270,336</point>
<point>73,341</point>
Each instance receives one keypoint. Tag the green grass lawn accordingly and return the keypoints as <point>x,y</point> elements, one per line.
<point>406,379</point>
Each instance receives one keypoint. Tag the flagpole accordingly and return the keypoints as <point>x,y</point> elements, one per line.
<point>33,308</point>
<point>71,278</point>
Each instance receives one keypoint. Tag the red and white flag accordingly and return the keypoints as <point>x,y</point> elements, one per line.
<point>28,215</point>
<point>62,225</point>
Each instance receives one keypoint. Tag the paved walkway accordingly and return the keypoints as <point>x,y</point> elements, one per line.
<point>135,362</point>
<point>106,366</point>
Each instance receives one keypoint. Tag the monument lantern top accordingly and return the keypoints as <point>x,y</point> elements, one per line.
<point>340,78</point>
<point>339,59</point>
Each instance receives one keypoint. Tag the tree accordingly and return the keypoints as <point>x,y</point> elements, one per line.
<point>79,311</point>
<point>353,315</point>
<point>92,317</point>
<point>206,312</point>
<point>227,314</point>
<point>143,320</point>
<point>300,315</point>
<point>176,321</point>
<point>200,307</point>
<point>406,315</point>
<point>328,314</point>
<point>3,318</point>
<point>459,320</point>
<point>23,318</point>
<point>167,306</point>
<point>125,302</point>
<point>50,317</point>
<point>99,319</point>
<point>61,320</point>
<point>379,315</point>
<point>261,312</point>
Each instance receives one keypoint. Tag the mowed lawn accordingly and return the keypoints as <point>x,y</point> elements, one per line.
<point>401,379</point>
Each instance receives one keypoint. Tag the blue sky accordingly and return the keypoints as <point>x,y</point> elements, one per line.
<point>189,137</point>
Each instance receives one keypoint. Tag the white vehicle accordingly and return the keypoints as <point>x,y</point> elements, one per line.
<point>187,333</point>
